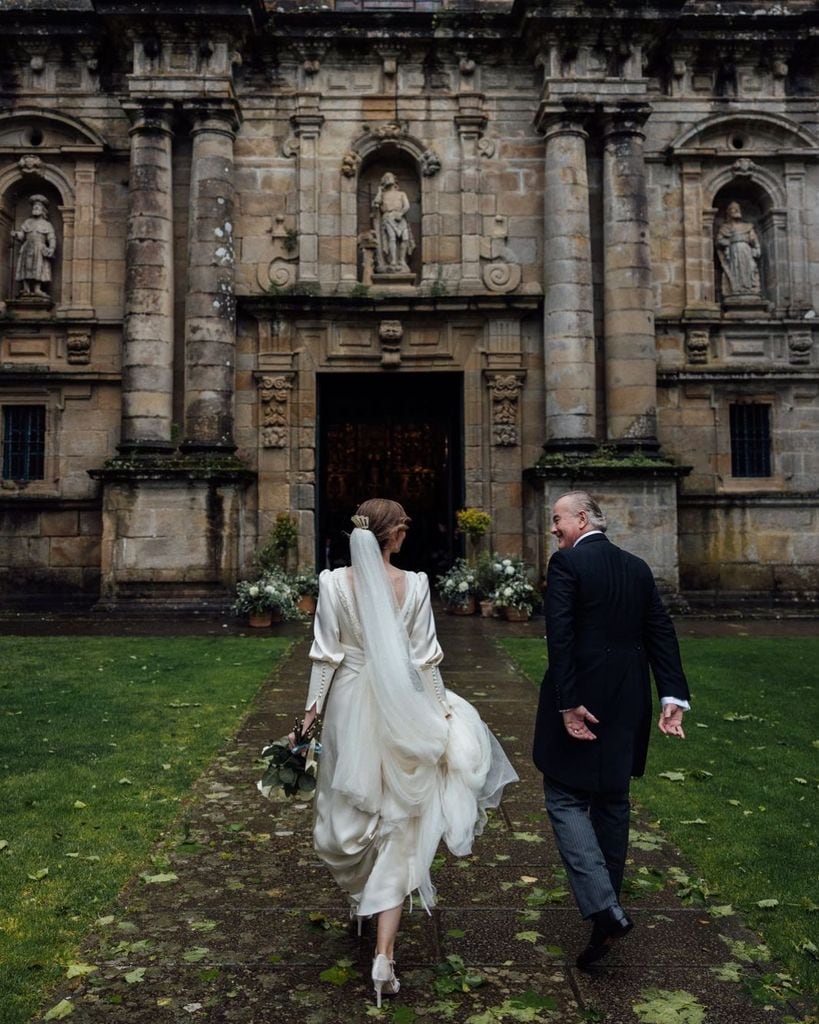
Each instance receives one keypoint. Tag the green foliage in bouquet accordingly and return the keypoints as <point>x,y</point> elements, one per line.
<point>291,768</point>
<point>304,584</point>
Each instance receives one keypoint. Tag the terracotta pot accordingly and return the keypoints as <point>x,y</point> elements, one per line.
<point>467,608</point>
<point>260,620</point>
<point>306,604</point>
<point>487,608</point>
<point>517,614</point>
<point>276,615</point>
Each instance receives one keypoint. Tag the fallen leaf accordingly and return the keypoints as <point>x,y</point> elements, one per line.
<point>135,976</point>
<point>158,879</point>
<point>194,955</point>
<point>78,970</point>
<point>767,904</point>
<point>661,1006</point>
<point>528,937</point>
<point>78,805</point>
<point>726,910</point>
<point>38,876</point>
<point>673,776</point>
<point>63,1009</point>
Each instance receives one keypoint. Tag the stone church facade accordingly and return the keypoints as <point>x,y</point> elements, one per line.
<point>260,258</point>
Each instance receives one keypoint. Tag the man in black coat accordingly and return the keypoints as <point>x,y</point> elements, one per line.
<point>605,625</point>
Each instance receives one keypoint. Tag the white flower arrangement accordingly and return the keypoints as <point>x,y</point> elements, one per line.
<point>458,584</point>
<point>271,591</point>
<point>514,589</point>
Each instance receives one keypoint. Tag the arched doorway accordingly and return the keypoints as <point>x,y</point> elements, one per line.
<point>396,436</point>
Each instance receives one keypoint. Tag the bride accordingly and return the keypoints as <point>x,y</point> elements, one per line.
<point>404,761</point>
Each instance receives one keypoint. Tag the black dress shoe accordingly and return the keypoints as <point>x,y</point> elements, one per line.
<point>610,925</point>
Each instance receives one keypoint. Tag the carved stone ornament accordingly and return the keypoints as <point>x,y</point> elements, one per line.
<point>501,269</point>
<point>349,164</point>
<point>78,347</point>
<point>290,146</point>
<point>280,273</point>
<point>274,395</point>
<point>37,248</point>
<point>504,391</point>
<point>390,130</point>
<point>430,163</point>
<point>487,147</point>
<point>29,164</point>
<point>390,333</point>
<point>800,344</point>
<point>743,167</point>
<point>697,343</point>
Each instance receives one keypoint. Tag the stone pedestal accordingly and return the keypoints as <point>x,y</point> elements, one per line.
<point>631,357</point>
<point>568,302</point>
<point>640,504</point>
<point>147,350</point>
<point>171,534</point>
<point>210,304</point>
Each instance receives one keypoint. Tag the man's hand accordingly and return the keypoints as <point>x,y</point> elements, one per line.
<point>575,722</point>
<point>671,720</point>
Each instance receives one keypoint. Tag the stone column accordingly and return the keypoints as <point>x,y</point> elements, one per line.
<point>147,349</point>
<point>470,122</point>
<point>568,302</point>
<point>210,304</point>
<point>630,349</point>
<point>307,122</point>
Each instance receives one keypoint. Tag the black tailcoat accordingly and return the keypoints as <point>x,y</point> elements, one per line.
<point>605,625</point>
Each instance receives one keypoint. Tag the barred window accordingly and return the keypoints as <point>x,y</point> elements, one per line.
<point>23,442</point>
<point>750,439</point>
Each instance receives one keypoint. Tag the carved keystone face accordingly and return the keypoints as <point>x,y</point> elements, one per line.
<point>390,331</point>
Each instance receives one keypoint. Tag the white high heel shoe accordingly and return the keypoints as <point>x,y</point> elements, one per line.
<point>384,978</point>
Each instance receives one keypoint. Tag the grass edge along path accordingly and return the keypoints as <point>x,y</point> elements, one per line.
<point>101,738</point>
<point>739,796</point>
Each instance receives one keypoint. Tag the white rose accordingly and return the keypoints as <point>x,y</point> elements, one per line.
<point>508,592</point>
<point>497,567</point>
<point>269,589</point>
<point>463,586</point>
<point>254,591</point>
<point>470,579</point>
<point>510,570</point>
<point>507,561</point>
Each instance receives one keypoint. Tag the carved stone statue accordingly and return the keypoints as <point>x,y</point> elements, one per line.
<point>39,243</point>
<point>392,231</point>
<point>739,250</point>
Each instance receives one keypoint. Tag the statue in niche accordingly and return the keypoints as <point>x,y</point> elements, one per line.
<point>394,241</point>
<point>39,243</point>
<point>739,251</point>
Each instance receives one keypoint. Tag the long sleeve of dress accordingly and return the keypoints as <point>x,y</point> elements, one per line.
<point>326,652</point>
<point>425,650</point>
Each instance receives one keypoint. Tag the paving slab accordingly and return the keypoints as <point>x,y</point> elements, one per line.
<point>252,929</point>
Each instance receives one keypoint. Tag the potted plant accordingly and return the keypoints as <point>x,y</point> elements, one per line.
<point>514,593</point>
<point>283,538</point>
<point>473,523</point>
<point>489,572</point>
<point>458,588</point>
<point>305,589</point>
<point>265,600</point>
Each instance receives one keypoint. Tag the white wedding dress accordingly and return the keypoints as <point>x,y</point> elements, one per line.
<point>377,841</point>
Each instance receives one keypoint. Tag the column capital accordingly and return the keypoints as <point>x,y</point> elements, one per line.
<point>626,118</point>
<point>567,118</point>
<point>149,117</point>
<point>219,118</point>
<point>471,119</point>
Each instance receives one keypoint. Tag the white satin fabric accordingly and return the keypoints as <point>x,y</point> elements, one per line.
<point>378,848</point>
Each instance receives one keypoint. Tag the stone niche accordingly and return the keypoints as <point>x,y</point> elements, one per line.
<point>374,264</point>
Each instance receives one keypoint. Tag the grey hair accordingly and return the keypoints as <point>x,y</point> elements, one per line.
<point>584,502</point>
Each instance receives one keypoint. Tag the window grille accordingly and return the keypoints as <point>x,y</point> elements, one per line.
<point>23,442</point>
<point>750,439</point>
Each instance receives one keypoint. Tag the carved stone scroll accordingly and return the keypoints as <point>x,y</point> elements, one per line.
<point>504,392</point>
<point>274,396</point>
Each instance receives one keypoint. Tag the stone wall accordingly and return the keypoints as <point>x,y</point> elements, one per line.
<point>569,171</point>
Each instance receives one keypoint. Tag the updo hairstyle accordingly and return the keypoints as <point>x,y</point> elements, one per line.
<point>384,515</point>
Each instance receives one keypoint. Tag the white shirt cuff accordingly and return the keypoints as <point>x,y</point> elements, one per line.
<point>675,700</point>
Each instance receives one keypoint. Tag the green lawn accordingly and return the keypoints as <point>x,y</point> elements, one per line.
<point>100,739</point>
<point>741,803</point>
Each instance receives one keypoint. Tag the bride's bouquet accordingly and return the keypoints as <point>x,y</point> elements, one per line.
<point>292,768</point>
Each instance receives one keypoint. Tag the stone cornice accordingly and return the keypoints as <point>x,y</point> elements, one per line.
<point>303,306</point>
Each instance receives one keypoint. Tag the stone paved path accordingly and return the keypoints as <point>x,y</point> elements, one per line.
<point>252,929</point>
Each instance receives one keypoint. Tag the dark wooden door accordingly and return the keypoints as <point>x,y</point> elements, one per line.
<point>391,435</point>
